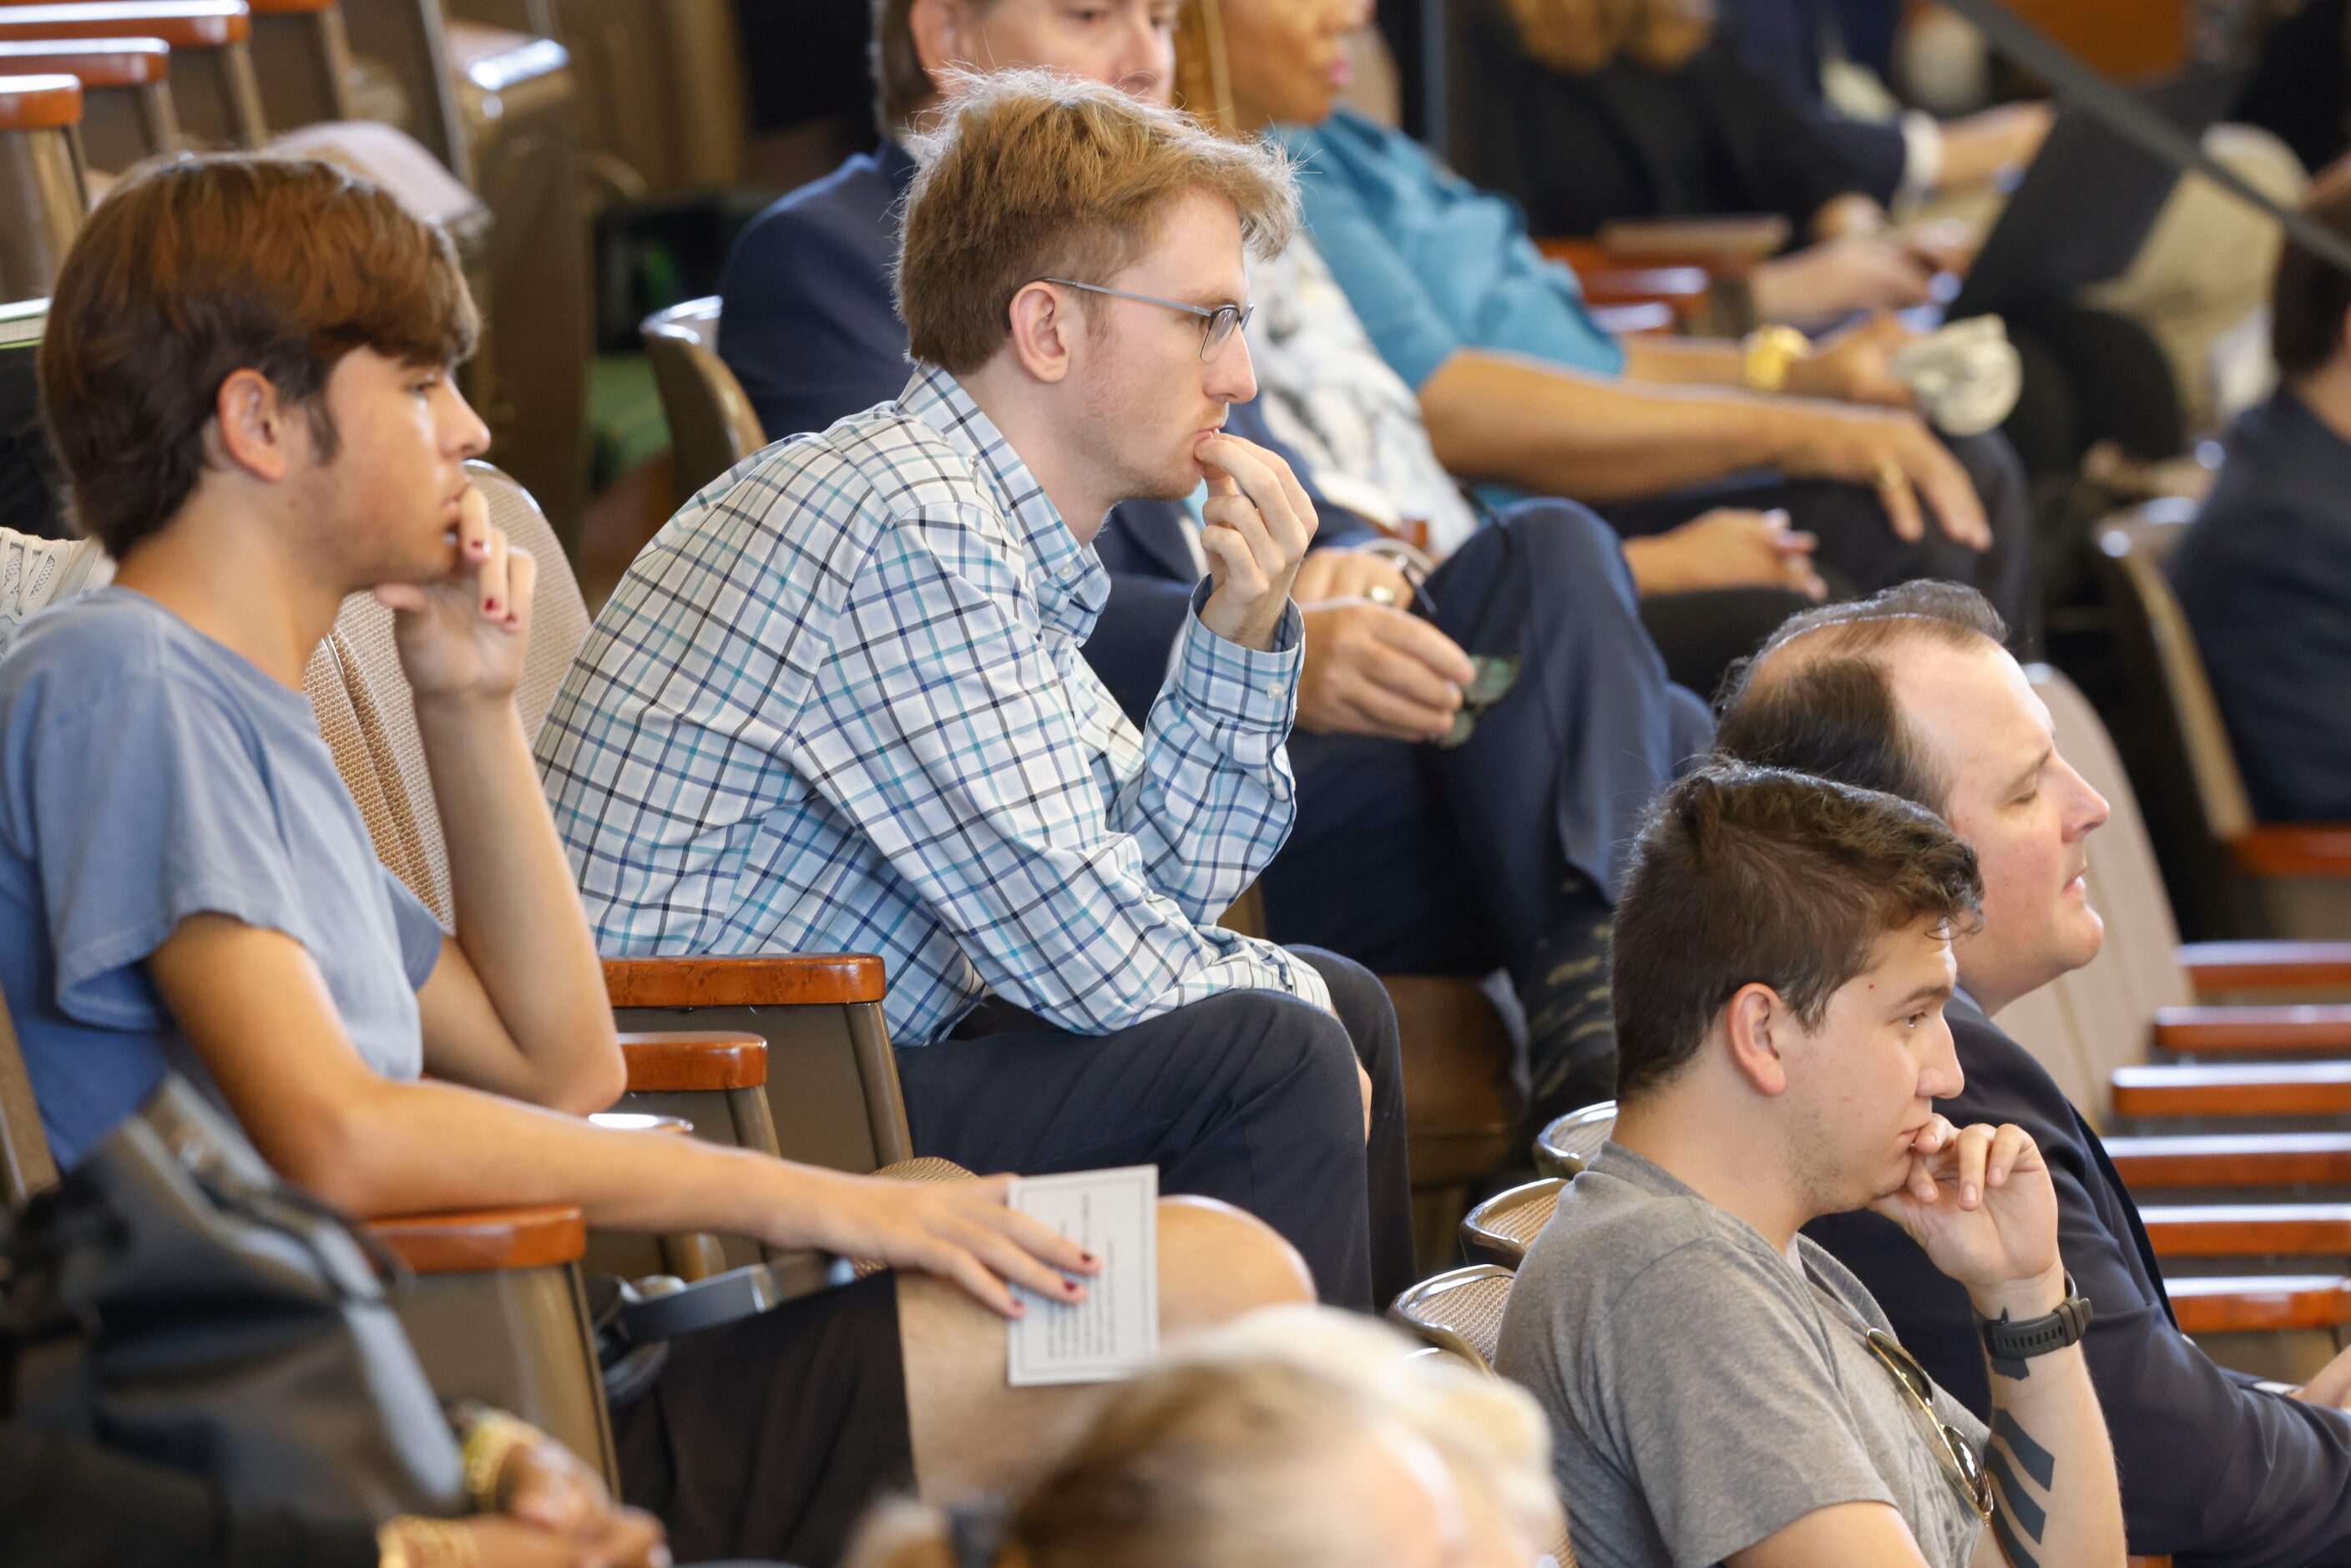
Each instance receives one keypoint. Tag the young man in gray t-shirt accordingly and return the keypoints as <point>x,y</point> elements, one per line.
<point>1722,1391</point>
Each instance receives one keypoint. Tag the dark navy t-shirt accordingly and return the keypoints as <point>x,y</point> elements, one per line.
<point>147,774</point>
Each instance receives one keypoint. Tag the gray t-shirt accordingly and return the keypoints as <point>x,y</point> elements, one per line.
<point>1703,1392</point>
<point>148,773</point>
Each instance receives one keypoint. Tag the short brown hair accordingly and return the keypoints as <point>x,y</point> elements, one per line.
<point>1759,876</point>
<point>195,269</point>
<point>1032,174</point>
<point>1833,712</point>
<point>2310,294</point>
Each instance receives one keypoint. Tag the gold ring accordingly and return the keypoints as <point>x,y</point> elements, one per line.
<point>1890,476</point>
<point>1380,593</point>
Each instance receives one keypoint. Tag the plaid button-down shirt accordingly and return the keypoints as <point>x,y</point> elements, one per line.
<point>837,705</point>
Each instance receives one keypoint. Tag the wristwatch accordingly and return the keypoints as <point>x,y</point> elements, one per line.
<point>1767,354</point>
<point>2010,1342</point>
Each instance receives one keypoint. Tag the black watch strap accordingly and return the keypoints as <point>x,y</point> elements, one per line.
<point>2010,1342</point>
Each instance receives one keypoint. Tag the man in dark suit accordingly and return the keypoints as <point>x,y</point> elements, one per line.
<point>1499,848</point>
<point>1912,694</point>
<point>2264,575</point>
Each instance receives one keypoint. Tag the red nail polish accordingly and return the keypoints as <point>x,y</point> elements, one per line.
<point>489,607</point>
<point>1087,1258</point>
<point>1069,1287</point>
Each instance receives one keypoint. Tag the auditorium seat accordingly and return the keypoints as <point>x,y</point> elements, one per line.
<point>43,188</point>
<point>2232,875</point>
<point>712,424</point>
<point>214,89</point>
<point>1500,1229</point>
<point>662,90</point>
<point>302,53</point>
<point>126,93</point>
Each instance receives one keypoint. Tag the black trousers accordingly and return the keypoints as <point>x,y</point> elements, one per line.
<point>1414,860</point>
<point>768,1438</point>
<point>1251,1097</point>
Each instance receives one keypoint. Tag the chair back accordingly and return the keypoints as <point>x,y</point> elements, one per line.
<point>302,53</point>
<point>2046,1022</point>
<point>1569,1144</point>
<point>213,87</point>
<point>43,186</point>
<point>661,86</point>
<point>25,1165</point>
<point>711,425</point>
<point>1459,1311</point>
<point>369,717</point>
<point>127,112</point>
<point>401,52</point>
<point>2180,750</point>
<point>1505,1226</point>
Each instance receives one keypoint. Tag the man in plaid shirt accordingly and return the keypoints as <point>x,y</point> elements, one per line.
<point>839,705</point>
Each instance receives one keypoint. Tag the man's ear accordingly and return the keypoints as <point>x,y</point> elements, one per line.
<point>1755,1023</point>
<point>943,37</point>
<point>252,428</point>
<point>1045,328</point>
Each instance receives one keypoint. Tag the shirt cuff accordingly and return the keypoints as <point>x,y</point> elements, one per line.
<point>1246,697</point>
<point>1922,157</point>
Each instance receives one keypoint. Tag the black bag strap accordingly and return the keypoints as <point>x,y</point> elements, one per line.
<point>25,1166</point>
<point>2084,88</point>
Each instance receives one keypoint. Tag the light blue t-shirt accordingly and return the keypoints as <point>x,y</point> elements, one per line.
<point>147,774</point>
<point>1430,262</point>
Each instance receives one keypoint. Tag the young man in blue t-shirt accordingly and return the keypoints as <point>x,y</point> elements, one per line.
<point>185,884</point>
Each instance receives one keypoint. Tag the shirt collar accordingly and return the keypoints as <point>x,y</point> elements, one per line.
<point>1070,582</point>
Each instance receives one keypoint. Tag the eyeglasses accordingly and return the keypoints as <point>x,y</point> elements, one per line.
<point>1217,322</point>
<point>1960,1464</point>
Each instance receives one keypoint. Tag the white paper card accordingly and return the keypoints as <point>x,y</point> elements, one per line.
<point>1114,1215</point>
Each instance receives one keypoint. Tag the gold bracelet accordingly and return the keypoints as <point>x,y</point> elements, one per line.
<point>414,1541</point>
<point>1768,354</point>
<point>489,1443</point>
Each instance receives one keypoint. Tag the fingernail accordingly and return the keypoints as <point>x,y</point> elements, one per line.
<point>1019,1309</point>
<point>1087,1258</point>
<point>1969,1194</point>
<point>1069,1287</point>
<point>489,607</point>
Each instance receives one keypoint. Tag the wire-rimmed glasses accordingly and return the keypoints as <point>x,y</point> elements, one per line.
<point>1217,322</point>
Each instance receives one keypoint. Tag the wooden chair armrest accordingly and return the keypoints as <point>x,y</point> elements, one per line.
<point>2232,1159</point>
<point>795,979</point>
<point>2224,1030</point>
<point>183,24</point>
<point>1609,279</point>
<point>45,102</point>
<point>673,1060</point>
<point>2248,1230</point>
<point>2215,966</point>
<point>2245,1089</point>
<point>2259,1303</point>
<point>1724,247</point>
<point>94,62</point>
<point>486,1241</point>
<point>2277,850</point>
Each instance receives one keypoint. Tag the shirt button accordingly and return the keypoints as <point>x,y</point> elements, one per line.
<point>1274,689</point>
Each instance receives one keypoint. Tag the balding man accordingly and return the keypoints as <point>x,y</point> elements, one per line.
<point>1911,693</point>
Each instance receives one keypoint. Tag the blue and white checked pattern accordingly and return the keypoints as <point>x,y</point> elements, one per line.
<point>837,705</point>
